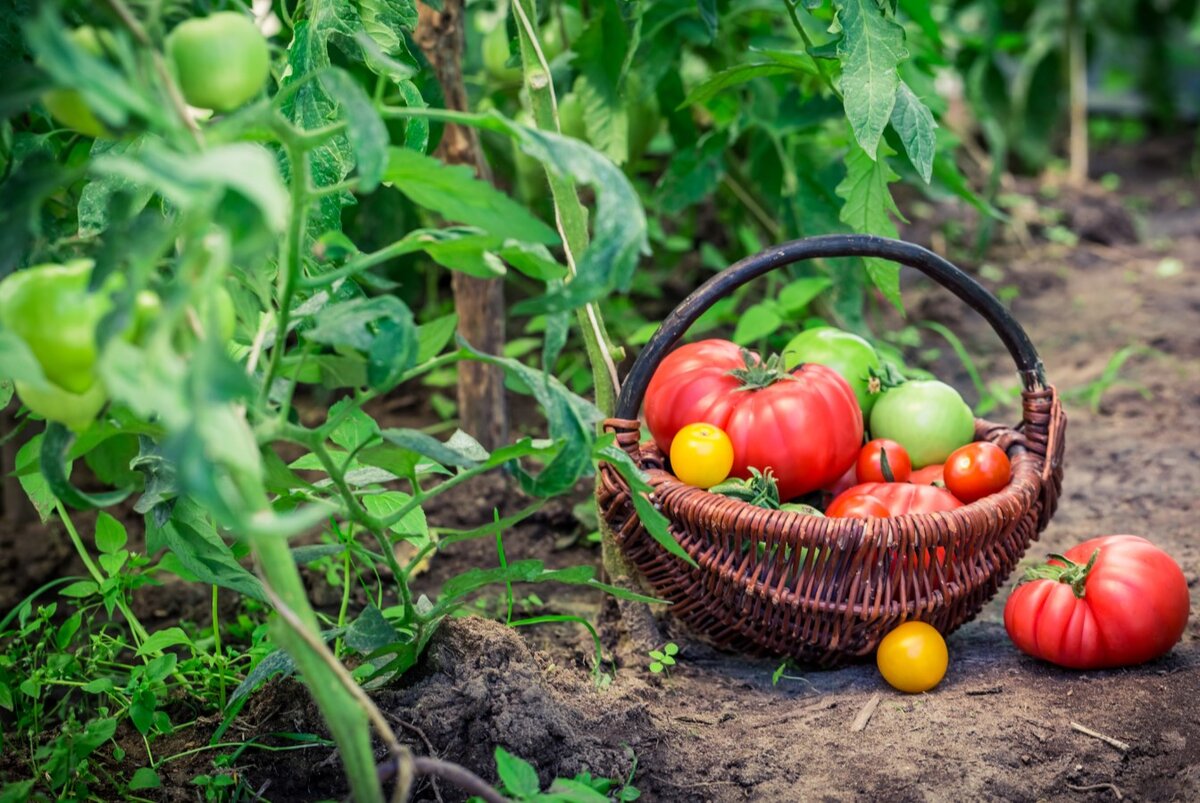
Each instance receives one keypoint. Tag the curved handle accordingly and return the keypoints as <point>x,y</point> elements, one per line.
<point>940,270</point>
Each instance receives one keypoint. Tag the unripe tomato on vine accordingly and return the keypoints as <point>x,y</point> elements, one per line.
<point>221,61</point>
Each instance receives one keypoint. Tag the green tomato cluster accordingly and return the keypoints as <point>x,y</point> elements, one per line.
<point>928,418</point>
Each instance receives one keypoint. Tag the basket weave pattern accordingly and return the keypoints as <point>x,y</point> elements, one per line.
<point>827,590</point>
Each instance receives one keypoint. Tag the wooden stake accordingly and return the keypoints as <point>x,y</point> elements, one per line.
<point>479,302</point>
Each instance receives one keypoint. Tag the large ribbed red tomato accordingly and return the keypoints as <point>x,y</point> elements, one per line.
<point>902,498</point>
<point>1112,601</point>
<point>805,425</point>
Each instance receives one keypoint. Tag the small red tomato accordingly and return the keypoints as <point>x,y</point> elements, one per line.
<point>882,460</point>
<point>857,507</point>
<point>847,480</point>
<point>930,475</point>
<point>977,470</point>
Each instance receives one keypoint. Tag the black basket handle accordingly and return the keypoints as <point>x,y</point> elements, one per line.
<point>1029,365</point>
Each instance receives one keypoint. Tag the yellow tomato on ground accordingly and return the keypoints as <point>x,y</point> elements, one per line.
<point>701,455</point>
<point>913,657</point>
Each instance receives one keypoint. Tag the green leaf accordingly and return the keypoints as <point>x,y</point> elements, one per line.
<point>367,134</point>
<point>370,632</point>
<point>144,778</point>
<point>866,208</point>
<point>453,192</point>
<point>733,76</point>
<point>869,50</point>
<point>432,337</point>
<point>355,429</point>
<point>96,199</point>
<point>192,537</point>
<point>693,174</point>
<point>110,534</point>
<point>619,232</point>
<point>56,441</point>
<point>915,124</point>
<point>80,589</point>
<point>274,663</point>
<point>575,791</point>
<point>169,637</point>
<point>757,322</point>
<point>448,454</point>
<point>600,55</point>
<point>412,527</point>
<point>519,777</point>
<point>534,260</point>
<point>33,482</point>
<point>796,296</point>
<point>385,21</point>
<point>197,180</point>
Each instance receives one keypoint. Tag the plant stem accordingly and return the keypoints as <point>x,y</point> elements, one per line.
<point>160,66</point>
<point>135,625</point>
<point>569,214</point>
<point>219,659</point>
<point>341,621</point>
<point>809,47</point>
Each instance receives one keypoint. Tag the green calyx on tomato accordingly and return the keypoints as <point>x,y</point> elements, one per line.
<point>221,61</point>
<point>848,354</point>
<point>1068,571</point>
<point>928,418</point>
<point>67,106</point>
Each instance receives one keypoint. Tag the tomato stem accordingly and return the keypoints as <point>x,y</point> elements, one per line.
<point>759,373</point>
<point>1072,573</point>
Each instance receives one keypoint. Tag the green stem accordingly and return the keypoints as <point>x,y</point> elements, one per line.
<point>217,656</point>
<point>343,713</point>
<point>569,213</point>
<point>289,261</point>
<point>809,47</point>
<point>135,625</point>
<point>341,621</point>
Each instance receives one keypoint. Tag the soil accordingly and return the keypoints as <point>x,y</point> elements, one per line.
<point>1001,726</point>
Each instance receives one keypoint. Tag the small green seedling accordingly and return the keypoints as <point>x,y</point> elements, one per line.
<point>662,660</point>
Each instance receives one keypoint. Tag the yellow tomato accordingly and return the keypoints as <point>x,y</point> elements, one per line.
<point>913,657</point>
<point>701,455</point>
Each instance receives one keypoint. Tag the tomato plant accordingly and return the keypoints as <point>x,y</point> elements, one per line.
<point>882,460</point>
<point>1116,600</point>
<point>928,418</point>
<point>912,657</point>
<point>701,455</point>
<point>977,470</point>
<point>902,498</point>
<point>805,425</point>
<point>222,60</point>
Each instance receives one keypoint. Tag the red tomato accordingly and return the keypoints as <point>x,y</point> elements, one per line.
<point>902,498</point>
<point>847,480</point>
<point>805,425</point>
<point>977,470</point>
<point>929,475</point>
<point>857,507</point>
<point>870,466</point>
<point>1116,600</point>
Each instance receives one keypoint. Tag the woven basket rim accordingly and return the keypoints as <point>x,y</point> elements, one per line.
<point>789,528</point>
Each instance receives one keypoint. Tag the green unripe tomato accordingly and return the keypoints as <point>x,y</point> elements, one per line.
<point>570,116</point>
<point>67,105</point>
<point>495,57</point>
<point>221,60</point>
<point>928,418</point>
<point>49,307</point>
<point>552,33</point>
<point>844,352</point>
<point>74,410</point>
<point>147,307</point>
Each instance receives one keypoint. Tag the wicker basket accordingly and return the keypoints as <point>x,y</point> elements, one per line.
<point>754,589</point>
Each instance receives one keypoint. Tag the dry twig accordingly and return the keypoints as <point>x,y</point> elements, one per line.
<point>1117,743</point>
<point>864,715</point>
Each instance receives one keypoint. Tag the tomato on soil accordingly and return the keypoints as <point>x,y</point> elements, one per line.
<point>913,657</point>
<point>1116,600</point>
